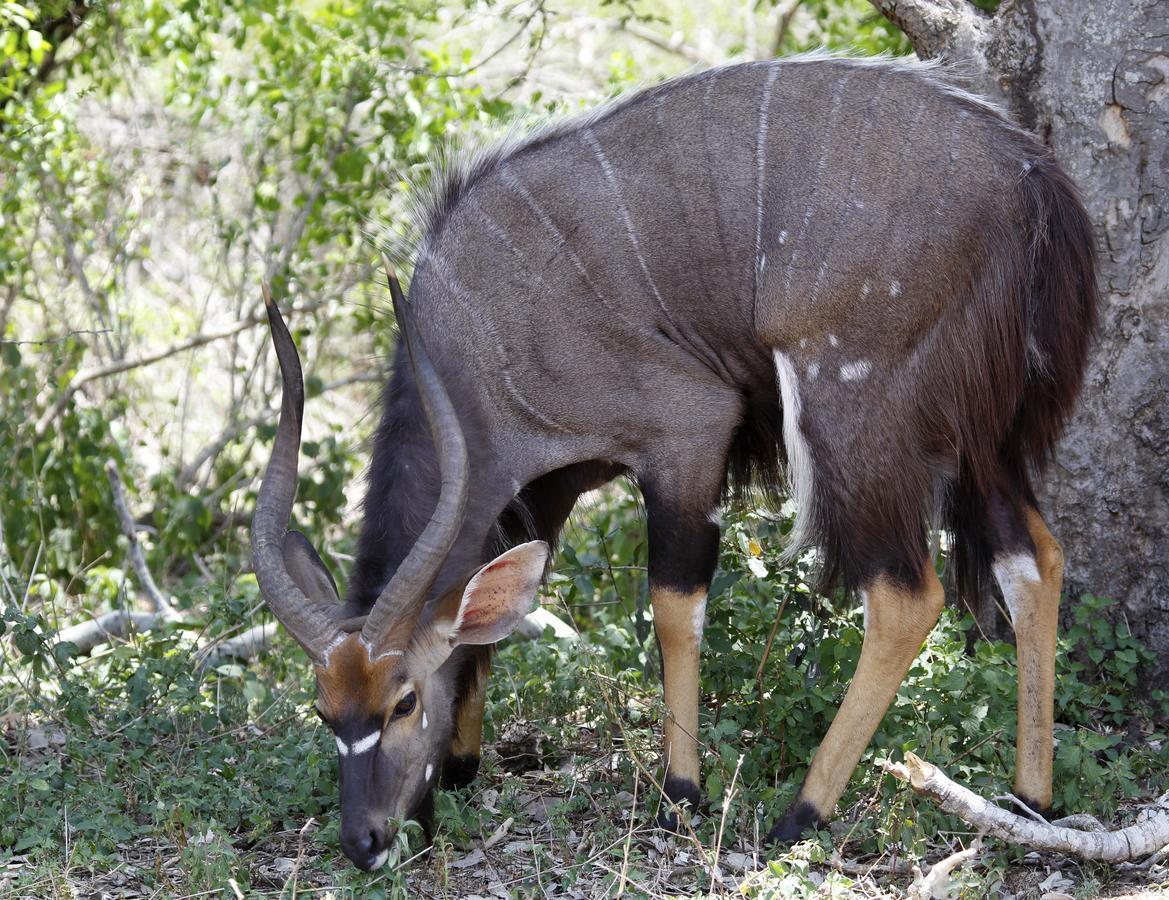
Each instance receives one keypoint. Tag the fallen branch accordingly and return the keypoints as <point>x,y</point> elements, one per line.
<point>241,648</point>
<point>934,883</point>
<point>1134,842</point>
<point>533,625</point>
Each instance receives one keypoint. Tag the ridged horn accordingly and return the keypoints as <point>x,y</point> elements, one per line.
<point>394,615</point>
<point>305,620</point>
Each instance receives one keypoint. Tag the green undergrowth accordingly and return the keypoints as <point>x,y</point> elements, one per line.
<point>131,746</point>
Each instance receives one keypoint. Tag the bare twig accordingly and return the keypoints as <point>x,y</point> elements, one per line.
<point>158,602</point>
<point>84,376</point>
<point>933,884</point>
<point>57,340</point>
<point>785,22</point>
<point>1137,841</point>
<point>240,648</point>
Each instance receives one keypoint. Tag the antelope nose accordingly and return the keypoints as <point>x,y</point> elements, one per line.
<point>365,846</point>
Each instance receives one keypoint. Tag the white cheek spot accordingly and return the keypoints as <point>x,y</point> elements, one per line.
<point>894,288</point>
<point>380,859</point>
<point>834,340</point>
<point>855,371</point>
<point>429,770</point>
<point>366,744</point>
<point>424,721</point>
<point>341,747</point>
<point>1014,573</point>
<point>813,371</point>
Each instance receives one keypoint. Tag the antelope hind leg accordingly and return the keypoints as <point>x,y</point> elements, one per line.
<point>897,622</point>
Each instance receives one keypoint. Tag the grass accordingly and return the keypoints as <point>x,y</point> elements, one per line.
<point>127,769</point>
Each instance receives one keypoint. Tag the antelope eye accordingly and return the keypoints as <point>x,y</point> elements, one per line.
<point>405,705</point>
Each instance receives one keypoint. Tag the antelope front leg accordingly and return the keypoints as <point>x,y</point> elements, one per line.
<point>678,621</point>
<point>897,622</point>
<point>462,761</point>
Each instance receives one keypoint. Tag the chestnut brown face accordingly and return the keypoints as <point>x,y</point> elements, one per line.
<point>392,715</point>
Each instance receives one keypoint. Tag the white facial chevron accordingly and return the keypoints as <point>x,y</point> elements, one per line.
<point>364,745</point>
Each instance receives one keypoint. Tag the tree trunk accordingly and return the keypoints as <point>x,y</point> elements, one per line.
<point>1091,78</point>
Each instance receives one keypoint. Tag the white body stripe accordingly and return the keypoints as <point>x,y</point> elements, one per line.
<point>760,166</point>
<point>799,457</point>
<point>1014,574</point>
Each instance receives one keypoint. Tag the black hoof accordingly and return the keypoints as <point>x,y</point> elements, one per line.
<point>676,790</point>
<point>459,771</point>
<point>1037,807</point>
<point>799,818</point>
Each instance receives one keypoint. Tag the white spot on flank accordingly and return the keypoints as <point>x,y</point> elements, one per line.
<point>341,747</point>
<point>1014,573</point>
<point>429,770</point>
<point>865,288</point>
<point>855,371</point>
<point>783,236</point>
<point>424,722</point>
<point>380,859</point>
<point>799,457</point>
<point>803,343</point>
<point>833,340</point>
<point>894,288</point>
<point>366,744</point>
<point>813,371</point>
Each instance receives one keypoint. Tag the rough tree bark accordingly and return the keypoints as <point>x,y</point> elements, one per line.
<point>1091,78</point>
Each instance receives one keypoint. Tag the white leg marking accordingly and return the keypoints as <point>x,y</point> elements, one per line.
<point>380,859</point>
<point>1014,573</point>
<point>429,770</point>
<point>341,747</point>
<point>799,457</point>
<point>366,744</point>
<point>699,619</point>
<point>855,371</point>
<point>424,722</point>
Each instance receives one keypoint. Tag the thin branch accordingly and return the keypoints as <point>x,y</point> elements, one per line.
<point>57,340</point>
<point>84,376</point>
<point>932,26</point>
<point>1148,835</point>
<point>785,22</point>
<point>212,450</point>
<point>158,602</point>
<point>241,648</point>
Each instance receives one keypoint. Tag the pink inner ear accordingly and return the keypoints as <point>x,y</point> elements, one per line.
<point>500,595</point>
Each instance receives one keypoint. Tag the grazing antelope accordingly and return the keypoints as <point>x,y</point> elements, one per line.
<point>849,271</point>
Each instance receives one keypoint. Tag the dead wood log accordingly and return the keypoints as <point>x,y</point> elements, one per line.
<point>1149,835</point>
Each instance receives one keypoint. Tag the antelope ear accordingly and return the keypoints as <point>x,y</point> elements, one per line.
<point>496,600</point>
<point>307,569</point>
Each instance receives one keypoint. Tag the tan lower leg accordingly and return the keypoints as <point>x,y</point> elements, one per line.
<point>897,621</point>
<point>469,723</point>
<point>678,621</point>
<point>1034,606</point>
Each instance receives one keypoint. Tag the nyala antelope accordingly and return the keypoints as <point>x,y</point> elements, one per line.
<point>850,275</point>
